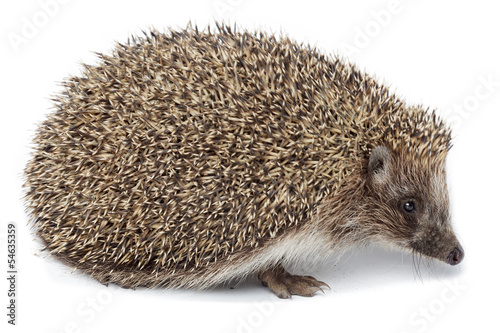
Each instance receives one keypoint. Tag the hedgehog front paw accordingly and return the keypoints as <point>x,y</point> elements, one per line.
<point>284,284</point>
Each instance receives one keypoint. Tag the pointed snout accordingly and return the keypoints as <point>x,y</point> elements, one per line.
<point>455,256</point>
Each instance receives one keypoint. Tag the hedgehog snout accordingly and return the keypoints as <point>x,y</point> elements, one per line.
<point>455,256</point>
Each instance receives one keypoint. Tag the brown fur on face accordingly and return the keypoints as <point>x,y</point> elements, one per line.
<point>396,178</point>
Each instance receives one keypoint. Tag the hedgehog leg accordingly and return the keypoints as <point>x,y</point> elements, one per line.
<point>284,284</point>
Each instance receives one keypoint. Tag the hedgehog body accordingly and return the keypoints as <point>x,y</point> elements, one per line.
<point>189,158</point>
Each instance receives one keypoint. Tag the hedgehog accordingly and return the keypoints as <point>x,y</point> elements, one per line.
<point>190,158</point>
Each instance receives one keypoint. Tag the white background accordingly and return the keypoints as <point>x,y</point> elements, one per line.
<point>443,54</point>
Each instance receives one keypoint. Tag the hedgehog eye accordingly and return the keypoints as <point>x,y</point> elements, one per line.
<point>410,207</point>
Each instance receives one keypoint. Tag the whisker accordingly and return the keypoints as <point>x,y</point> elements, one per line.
<point>431,267</point>
<point>416,264</point>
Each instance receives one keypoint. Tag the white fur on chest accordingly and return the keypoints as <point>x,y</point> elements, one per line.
<point>300,249</point>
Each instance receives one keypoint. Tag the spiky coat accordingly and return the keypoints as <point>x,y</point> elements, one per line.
<point>190,157</point>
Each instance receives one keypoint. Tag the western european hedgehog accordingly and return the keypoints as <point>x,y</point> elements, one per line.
<point>190,158</point>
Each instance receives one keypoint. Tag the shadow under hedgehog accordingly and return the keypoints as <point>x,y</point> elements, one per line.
<point>191,158</point>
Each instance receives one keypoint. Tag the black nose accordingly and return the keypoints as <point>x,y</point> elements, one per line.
<point>456,256</point>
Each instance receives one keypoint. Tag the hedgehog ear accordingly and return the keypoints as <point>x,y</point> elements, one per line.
<point>379,164</point>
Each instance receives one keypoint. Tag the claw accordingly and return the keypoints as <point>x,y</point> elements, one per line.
<point>284,285</point>
<point>317,283</point>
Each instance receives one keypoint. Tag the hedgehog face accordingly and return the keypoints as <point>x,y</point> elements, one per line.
<point>410,206</point>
